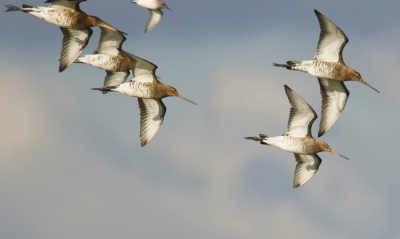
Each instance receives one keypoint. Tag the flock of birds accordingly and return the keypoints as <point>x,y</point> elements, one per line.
<point>327,65</point>
<point>76,27</point>
<point>331,71</point>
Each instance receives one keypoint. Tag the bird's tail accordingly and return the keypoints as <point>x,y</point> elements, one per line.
<point>289,64</point>
<point>260,139</point>
<point>105,90</point>
<point>12,8</point>
<point>25,8</point>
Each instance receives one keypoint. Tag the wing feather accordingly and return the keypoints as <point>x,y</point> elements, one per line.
<point>65,4</point>
<point>152,113</point>
<point>110,41</point>
<point>114,78</point>
<point>143,70</point>
<point>301,115</point>
<point>334,97</point>
<point>331,40</point>
<point>307,166</point>
<point>74,41</point>
<point>155,17</point>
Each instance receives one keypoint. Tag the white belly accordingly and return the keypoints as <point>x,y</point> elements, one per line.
<point>291,144</point>
<point>135,89</point>
<point>106,62</point>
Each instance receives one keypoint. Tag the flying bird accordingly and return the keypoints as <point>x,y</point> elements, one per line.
<point>110,57</point>
<point>154,7</point>
<point>328,66</point>
<point>298,139</point>
<point>73,22</point>
<point>149,91</point>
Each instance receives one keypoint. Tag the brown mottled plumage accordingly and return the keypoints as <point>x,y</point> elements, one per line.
<point>73,22</point>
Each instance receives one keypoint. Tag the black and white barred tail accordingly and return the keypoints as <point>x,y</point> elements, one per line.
<point>260,139</point>
<point>105,90</point>
<point>289,64</point>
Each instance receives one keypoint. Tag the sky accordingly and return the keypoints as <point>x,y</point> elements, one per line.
<point>71,164</point>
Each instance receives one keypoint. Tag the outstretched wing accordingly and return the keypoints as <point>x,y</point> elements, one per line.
<point>66,4</point>
<point>143,70</point>
<point>301,115</point>
<point>114,78</point>
<point>334,96</point>
<point>152,113</point>
<point>331,40</point>
<point>110,41</point>
<point>155,17</point>
<point>74,41</point>
<point>307,166</point>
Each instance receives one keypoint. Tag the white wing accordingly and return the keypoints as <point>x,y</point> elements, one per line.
<point>155,17</point>
<point>334,96</point>
<point>152,113</point>
<point>143,71</point>
<point>301,115</point>
<point>114,78</point>
<point>331,40</point>
<point>307,166</point>
<point>65,4</point>
<point>110,41</point>
<point>74,41</point>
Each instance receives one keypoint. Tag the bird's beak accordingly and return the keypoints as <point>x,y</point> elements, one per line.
<point>168,8</point>
<point>184,98</point>
<point>370,86</point>
<point>338,154</point>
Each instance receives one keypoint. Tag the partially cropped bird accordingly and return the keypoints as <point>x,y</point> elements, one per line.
<point>154,7</point>
<point>73,22</point>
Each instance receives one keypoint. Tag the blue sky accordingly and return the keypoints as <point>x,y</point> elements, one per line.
<point>71,165</point>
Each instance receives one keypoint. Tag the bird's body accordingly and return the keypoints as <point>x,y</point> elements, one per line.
<point>62,17</point>
<point>328,66</point>
<point>322,69</point>
<point>154,7</point>
<point>298,139</point>
<point>73,22</point>
<point>298,145</point>
<point>149,90</point>
<point>110,57</point>
<point>107,62</point>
